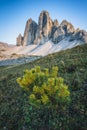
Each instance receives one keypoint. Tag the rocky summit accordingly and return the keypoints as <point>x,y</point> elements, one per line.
<point>44,38</point>
<point>47,29</point>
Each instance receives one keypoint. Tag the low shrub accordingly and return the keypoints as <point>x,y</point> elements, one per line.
<point>48,98</point>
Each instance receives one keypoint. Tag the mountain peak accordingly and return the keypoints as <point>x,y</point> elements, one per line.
<point>47,29</point>
<point>44,12</point>
<point>56,23</point>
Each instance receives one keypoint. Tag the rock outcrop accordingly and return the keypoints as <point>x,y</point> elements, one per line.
<point>19,40</point>
<point>58,35</point>
<point>67,27</point>
<point>46,29</point>
<point>79,35</point>
<point>54,27</point>
<point>45,24</point>
<point>30,32</point>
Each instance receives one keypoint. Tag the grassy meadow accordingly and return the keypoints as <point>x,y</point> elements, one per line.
<point>72,64</point>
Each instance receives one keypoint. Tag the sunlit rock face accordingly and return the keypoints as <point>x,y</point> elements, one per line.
<point>44,27</point>
<point>67,27</point>
<point>47,29</point>
<point>59,32</point>
<point>30,32</point>
<point>45,24</point>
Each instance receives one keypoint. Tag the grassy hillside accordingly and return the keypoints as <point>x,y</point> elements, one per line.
<point>72,67</point>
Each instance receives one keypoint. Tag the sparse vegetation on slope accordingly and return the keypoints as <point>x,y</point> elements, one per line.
<point>14,102</point>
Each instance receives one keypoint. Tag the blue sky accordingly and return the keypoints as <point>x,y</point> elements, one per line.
<point>15,13</point>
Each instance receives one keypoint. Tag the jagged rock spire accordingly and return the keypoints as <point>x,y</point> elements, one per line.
<point>19,40</point>
<point>67,26</point>
<point>45,24</point>
<point>30,32</point>
<point>46,29</point>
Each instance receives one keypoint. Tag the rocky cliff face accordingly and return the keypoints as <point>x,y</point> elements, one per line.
<point>19,40</point>
<point>30,32</point>
<point>46,29</point>
<point>45,24</point>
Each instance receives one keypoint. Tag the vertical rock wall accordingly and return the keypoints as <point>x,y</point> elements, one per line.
<point>46,29</point>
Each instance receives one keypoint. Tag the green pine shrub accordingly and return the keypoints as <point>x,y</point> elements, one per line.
<point>47,94</point>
